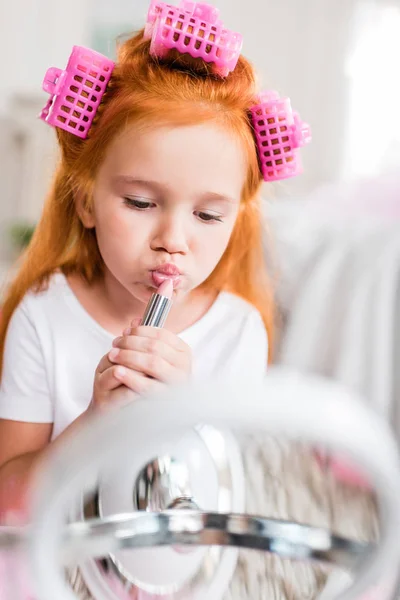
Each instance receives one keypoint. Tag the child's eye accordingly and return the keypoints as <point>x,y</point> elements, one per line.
<point>208,217</point>
<point>138,203</point>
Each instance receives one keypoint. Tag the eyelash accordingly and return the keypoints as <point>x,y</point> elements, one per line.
<point>210,218</point>
<point>143,206</point>
<point>137,204</point>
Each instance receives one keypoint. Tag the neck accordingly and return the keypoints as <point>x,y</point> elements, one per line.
<point>113,307</point>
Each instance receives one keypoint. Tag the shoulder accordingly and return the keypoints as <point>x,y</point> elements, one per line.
<point>52,290</point>
<point>39,310</point>
<point>239,322</point>
<point>46,300</point>
<point>239,333</point>
<point>26,390</point>
<point>238,310</point>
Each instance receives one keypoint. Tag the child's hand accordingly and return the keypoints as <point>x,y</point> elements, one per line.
<point>142,361</point>
<point>109,388</point>
<point>150,356</point>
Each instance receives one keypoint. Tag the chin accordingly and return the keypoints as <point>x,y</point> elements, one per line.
<point>141,293</point>
<point>146,292</point>
<point>181,294</point>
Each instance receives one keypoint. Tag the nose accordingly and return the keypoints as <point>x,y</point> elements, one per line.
<point>171,234</point>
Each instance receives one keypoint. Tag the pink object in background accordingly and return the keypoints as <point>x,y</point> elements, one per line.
<point>193,28</point>
<point>14,575</point>
<point>347,474</point>
<point>14,583</point>
<point>135,593</point>
<point>76,92</point>
<point>343,471</point>
<point>279,134</point>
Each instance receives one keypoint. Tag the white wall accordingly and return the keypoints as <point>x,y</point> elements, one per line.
<point>118,12</point>
<point>34,35</point>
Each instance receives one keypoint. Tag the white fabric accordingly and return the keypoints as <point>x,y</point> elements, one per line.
<point>53,347</point>
<point>341,298</point>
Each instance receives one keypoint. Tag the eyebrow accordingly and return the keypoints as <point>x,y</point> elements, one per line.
<point>219,197</point>
<point>137,180</point>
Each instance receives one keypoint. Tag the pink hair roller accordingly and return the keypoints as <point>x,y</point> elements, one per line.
<point>193,28</point>
<point>279,134</point>
<point>76,92</point>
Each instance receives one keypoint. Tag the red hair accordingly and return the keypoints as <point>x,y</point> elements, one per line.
<point>144,91</point>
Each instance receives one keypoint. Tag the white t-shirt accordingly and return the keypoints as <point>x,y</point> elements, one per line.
<point>53,347</point>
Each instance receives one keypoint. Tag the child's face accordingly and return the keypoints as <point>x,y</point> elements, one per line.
<point>167,196</point>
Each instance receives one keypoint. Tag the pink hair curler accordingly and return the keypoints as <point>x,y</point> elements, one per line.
<point>193,28</point>
<point>76,92</point>
<point>279,133</point>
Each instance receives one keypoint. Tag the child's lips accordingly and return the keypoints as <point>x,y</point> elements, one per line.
<point>159,278</point>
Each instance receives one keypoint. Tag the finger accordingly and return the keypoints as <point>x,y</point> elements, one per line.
<point>109,379</point>
<point>139,383</point>
<point>148,364</point>
<point>103,365</point>
<point>159,333</point>
<point>151,346</point>
<point>134,323</point>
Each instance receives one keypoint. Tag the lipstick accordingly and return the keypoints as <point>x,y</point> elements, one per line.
<point>159,305</point>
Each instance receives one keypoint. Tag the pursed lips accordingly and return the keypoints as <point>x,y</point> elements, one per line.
<point>164,272</point>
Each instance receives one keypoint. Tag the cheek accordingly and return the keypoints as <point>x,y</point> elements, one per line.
<point>110,218</point>
<point>212,245</point>
<point>118,234</point>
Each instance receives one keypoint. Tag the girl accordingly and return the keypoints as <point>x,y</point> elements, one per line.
<point>165,186</point>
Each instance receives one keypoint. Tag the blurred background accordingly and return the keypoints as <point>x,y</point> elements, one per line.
<point>335,229</point>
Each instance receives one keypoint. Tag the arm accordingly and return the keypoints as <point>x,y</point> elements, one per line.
<point>20,445</point>
<point>23,446</point>
<point>26,408</point>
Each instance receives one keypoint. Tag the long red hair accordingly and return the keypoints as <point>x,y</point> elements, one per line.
<point>145,91</point>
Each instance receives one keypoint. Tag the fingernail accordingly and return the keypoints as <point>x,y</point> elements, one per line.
<point>112,355</point>
<point>120,372</point>
<point>127,331</point>
<point>117,340</point>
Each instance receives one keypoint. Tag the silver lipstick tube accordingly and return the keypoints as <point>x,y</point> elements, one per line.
<point>156,311</point>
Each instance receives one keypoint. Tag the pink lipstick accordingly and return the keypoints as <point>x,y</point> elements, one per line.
<point>159,305</point>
